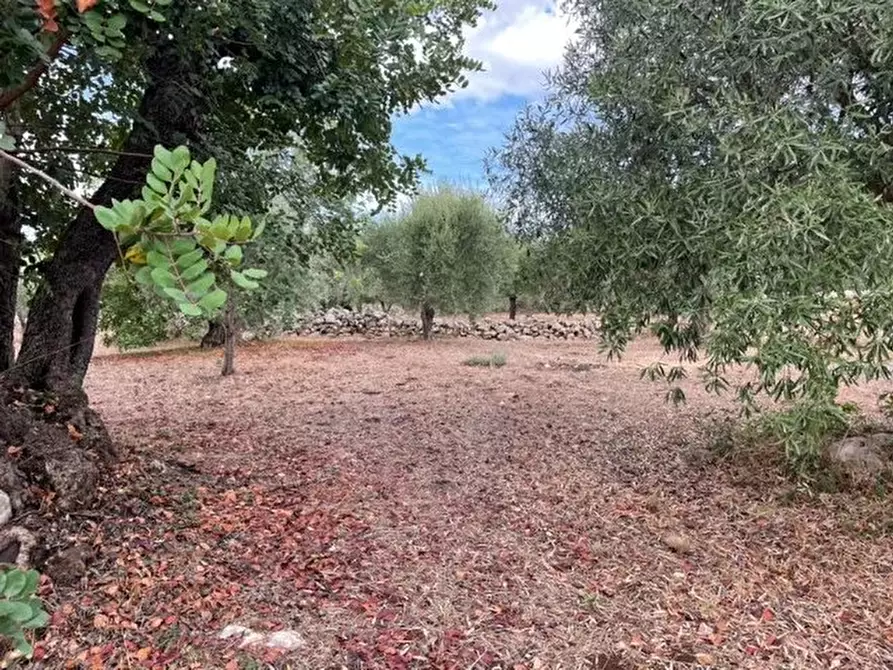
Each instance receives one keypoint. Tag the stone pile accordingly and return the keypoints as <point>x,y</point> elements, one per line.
<point>371,323</point>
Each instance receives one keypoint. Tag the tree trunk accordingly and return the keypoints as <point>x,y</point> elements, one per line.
<point>231,329</point>
<point>59,337</point>
<point>427,320</point>
<point>216,335</point>
<point>10,258</point>
<point>513,307</point>
<point>62,445</point>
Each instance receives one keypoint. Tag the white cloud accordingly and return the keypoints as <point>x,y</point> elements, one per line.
<point>516,43</point>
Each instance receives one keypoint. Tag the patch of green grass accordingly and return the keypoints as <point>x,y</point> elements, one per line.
<point>492,361</point>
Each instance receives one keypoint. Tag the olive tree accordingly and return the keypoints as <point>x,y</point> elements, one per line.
<point>725,173</point>
<point>448,253</point>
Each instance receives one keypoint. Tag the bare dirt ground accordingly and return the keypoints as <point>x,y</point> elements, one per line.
<point>402,510</point>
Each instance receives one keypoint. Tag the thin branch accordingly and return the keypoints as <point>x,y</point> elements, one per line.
<point>9,96</point>
<point>80,150</point>
<point>43,175</point>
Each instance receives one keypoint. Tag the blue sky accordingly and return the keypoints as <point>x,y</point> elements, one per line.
<point>516,43</point>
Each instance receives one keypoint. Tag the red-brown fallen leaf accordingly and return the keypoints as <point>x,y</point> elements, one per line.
<point>86,5</point>
<point>47,11</point>
<point>100,621</point>
<point>143,653</point>
<point>155,623</point>
<point>767,615</point>
<point>75,434</point>
<point>13,451</point>
<point>233,664</point>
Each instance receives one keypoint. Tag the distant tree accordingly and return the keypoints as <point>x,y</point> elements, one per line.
<point>448,253</point>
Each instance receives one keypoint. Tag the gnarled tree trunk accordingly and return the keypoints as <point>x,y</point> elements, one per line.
<point>58,341</point>
<point>427,320</point>
<point>61,445</point>
<point>10,257</point>
<point>513,307</point>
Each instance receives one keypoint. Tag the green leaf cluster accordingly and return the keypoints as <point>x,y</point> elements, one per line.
<point>101,32</point>
<point>20,608</point>
<point>177,250</point>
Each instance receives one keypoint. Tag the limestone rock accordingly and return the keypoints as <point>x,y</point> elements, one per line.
<point>678,543</point>
<point>286,640</point>
<point>863,453</point>
<point>5,508</point>
<point>69,565</point>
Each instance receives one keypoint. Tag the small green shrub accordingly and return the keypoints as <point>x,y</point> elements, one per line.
<point>491,361</point>
<point>20,608</point>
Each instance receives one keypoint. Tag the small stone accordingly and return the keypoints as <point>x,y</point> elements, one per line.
<point>69,565</point>
<point>5,508</point>
<point>678,543</point>
<point>252,638</point>
<point>234,630</point>
<point>286,640</point>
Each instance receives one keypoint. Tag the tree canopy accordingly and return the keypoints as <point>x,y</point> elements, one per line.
<point>90,88</point>
<point>724,170</point>
<point>448,253</point>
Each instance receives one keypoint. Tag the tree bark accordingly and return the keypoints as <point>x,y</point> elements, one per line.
<point>10,259</point>
<point>216,335</point>
<point>513,307</point>
<point>59,337</point>
<point>427,320</point>
<point>231,330</point>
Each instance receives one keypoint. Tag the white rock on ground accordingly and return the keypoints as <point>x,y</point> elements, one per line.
<point>5,508</point>
<point>287,640</point>
<point>866,452</point>
<point>234,630</point>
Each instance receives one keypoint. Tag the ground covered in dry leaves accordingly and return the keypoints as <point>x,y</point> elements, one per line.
<point>402,510</point>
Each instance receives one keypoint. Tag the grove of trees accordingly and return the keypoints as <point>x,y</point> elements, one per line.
<point>107,81</point>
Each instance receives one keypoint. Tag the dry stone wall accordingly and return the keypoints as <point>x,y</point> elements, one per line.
<point>369,323</point>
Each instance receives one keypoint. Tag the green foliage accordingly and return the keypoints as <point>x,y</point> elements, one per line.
<point>271,85</point>
<point>20,608</point>
<point>496,360</point>
<point>29,30</point>
<point>133,316</point>
<point>449,252</point>
<point>723,177</point>
<point>180,253</point>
